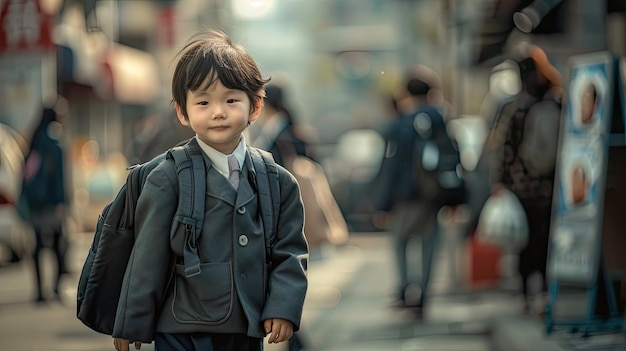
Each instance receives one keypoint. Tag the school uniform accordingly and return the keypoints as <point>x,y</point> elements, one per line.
<point>234,292</point>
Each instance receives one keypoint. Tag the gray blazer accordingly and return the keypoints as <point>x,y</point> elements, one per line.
<point>234,281</point>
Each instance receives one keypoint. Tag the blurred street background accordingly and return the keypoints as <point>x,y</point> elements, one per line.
<point>348,307</point>
<point>341,60</point>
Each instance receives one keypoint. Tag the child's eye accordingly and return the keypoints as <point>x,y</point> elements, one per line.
<point>231,101</point>
<point>203,103</point>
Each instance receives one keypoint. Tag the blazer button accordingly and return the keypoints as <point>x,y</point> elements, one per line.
<point>241,210</point>
<point>243,240</point>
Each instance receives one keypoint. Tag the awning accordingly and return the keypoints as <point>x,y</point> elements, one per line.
<point>115,71</point>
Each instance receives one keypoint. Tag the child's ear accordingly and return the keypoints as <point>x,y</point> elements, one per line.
<point>255,112</point>
<point>181,116</point>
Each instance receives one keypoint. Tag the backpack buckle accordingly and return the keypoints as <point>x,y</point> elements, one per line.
<point>190,252</point>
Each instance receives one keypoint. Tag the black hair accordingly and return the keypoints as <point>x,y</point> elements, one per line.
<point>48,116</point>
<point>417,87</point>
<point>275,97</point>
<point>209,56</point>
<point>530,76</point>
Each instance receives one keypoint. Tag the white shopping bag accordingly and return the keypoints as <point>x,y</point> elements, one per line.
<point>502,222</point>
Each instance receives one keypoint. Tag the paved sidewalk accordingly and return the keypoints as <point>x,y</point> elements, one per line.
<point>347,308</point>
<point>528,334</point>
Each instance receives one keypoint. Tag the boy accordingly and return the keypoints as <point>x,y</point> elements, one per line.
<point>235,300</point>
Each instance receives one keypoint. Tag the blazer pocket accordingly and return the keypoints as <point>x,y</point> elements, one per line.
<point>206,298</point>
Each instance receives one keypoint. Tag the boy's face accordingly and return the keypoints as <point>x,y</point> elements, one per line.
<point>218,115</point>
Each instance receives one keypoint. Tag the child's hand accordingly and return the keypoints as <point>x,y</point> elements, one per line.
<point>122,344</point>
<point>280,329</point>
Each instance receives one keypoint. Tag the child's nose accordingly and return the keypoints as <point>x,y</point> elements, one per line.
<point>218,112</point>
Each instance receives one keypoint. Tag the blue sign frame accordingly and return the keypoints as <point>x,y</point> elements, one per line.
<point>576,226</point>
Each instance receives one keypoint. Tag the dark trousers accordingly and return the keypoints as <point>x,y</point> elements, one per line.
<point>414,220</point>
<point>58,247</point>
<point>206,342</point>
<point>533,257</point>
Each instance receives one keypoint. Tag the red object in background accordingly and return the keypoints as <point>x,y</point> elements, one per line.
<point>166,28</point>
<point>24,27</point>
<point>484,265</point>
<point>5,200</point>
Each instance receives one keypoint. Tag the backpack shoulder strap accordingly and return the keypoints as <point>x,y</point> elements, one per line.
<point>268,189</point>
<point>191,174</point>
<point>135,180</point>
<point>133,187</point>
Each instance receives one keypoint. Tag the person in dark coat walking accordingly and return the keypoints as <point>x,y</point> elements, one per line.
<point>410,215</point>
<point>511,165</point>
<point>44,177</point>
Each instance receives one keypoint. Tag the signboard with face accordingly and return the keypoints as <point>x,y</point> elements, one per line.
<point>576,232</point>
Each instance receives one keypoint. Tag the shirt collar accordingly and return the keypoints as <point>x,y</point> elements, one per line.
<point>220,160</point>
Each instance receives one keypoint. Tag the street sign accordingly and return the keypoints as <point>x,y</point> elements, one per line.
<point>24,27</point>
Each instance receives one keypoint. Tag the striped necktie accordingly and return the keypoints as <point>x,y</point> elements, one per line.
<point>233,171</point>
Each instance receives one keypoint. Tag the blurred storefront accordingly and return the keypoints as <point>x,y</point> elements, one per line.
<point>108,85</point>
<point>340,58</point>
<point>26,62</point>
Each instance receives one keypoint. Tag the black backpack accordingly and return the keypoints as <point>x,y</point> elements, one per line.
<point>437,173</point>
<point>103,272</point>
<point>421,163</point>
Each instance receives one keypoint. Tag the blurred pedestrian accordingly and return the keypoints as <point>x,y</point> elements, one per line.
<point>246,290</point>
<point>412,213</point>
<point>44,188</point>
<point>277,131</point>
<point>522,150</point>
